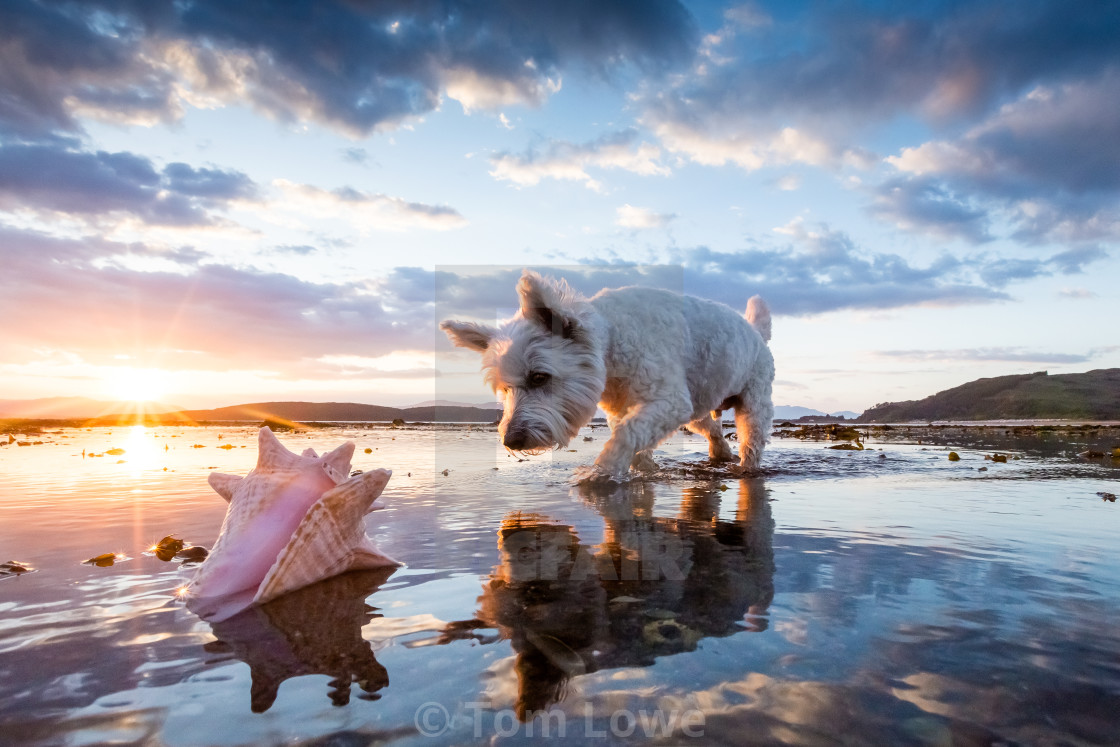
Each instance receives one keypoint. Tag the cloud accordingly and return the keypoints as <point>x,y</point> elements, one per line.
<point>1034,145</point>
<point>792,87</point>
<point>54,178</point>
<point>709,143</point>
<point>208,184</point>
<point>371,211</point>
<point>824,270</point>
<point>560,159</point>
<point>1049,161</point>
<point>1063,136</point>
<point>356,155</point>
<point>98,298</point>
<point>999,272</point>
<point>1076,293</point>
<point>489,293</point>
<point>398,365</point>
<point>629,216</point>
<point>821,271</point>
<point>301,250</point>
<point>1073,261</point>
<point>477,90</point>
<point>82,296</point>
<point>927,206</point>
<point>747,16</point>
<point>1018,96</point>
<point>358,67</point>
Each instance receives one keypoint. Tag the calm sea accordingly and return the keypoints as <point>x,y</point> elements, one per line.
<point>884,596</point>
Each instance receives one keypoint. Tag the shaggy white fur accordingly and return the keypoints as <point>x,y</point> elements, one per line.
<point>654,360</point>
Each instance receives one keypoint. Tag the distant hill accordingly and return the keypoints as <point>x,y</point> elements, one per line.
<point>445,411</point>
<point>74,407</point>
<point>793,412</point>
<point>453,403</point>
<point>306,412</point>
<point>1094,395</point>
<point>448,411</point>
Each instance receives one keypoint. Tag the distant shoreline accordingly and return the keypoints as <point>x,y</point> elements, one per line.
<point>8,424</point>
<point>12,424</point>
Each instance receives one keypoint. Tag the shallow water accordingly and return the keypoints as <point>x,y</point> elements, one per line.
<point>872,597</point>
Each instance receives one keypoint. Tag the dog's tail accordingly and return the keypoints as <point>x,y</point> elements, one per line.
<point>758,314</point>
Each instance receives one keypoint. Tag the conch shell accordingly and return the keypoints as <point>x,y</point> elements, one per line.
<point>292,521</point>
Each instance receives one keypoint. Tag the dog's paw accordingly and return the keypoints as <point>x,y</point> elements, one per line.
<point>643,462</point>
<point>739,470</point>
<point>595,475</point>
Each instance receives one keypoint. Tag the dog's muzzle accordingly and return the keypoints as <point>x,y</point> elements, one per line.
<point>516,439</point>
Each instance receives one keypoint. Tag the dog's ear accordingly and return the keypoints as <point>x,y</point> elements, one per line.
<point>468,334</point>
<point>544,302</point>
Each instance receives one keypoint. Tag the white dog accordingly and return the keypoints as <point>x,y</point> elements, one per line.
<point>652,359</point>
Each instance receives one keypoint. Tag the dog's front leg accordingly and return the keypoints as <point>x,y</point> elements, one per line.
<point>642,428</point>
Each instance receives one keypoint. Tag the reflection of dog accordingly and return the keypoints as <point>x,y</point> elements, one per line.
<point>569,608</point>
<point>652,359</point>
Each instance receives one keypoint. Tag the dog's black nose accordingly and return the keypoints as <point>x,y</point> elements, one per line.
<point>516,438</point>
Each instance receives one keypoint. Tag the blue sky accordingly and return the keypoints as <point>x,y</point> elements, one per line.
<point>219,202</point>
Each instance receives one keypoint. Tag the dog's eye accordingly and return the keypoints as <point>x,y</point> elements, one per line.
<point>538,378</point>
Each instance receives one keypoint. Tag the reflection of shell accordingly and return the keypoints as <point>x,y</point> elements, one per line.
<point>315,630</point>
<point>294,520</point>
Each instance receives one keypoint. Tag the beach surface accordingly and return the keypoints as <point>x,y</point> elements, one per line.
<point>878,596</point>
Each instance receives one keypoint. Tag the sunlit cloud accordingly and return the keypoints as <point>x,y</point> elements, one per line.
<point>367,211</point>
<point>474,89</point>
<point>563,160</point>
<point>710,145</point>
<point>233,314</point>
<point>400,364</point>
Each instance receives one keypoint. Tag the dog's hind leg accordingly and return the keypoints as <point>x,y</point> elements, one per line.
<point>710,428</point>
<point>754,417</point>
